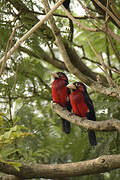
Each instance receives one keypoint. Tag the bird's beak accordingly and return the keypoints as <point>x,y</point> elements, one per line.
<point>71,86</point>
<point>54,75</point>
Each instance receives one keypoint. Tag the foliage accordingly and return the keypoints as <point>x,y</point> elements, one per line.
<point>29,130</point>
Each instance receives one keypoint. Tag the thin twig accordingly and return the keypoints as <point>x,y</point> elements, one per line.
<point>107,47</point>
<point>90,60</point>
<point>14,85</point>
<point>78,23</point>
<point>112,34</point>
<point>106,16</point>
<point>112,69</point>
<point>114,49</point>
<point>109,79</point>
<point>99,56</point>
<point>108,12</point>
<point>103,29</point>
<point>90,13</point>
<point>52,52</point>
<point>9,44</point>
<point>64,16</point>
<point>10,107</point>
<point>108,56</point>
<point>33,29</point>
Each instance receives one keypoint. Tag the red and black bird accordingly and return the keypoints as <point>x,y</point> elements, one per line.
<point>60,95</point>
<point>82,106</point>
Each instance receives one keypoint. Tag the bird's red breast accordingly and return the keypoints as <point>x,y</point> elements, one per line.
<point>59,92</point>
<point>78,103</point>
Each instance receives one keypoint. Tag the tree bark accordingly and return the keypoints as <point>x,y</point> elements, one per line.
<point>99,165</point>
<point>10,177</point>
<point>108,125</point>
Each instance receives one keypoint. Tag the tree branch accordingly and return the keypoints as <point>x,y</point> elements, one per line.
<point>9,43</point>
<point>108,125</point>
<point>99,165</point>
<point>102,29</point>
<point>112,92</point>
<point>63,16</point>
<point>10,177</point>
<point>44,56</point>
<point>74,70</point>
<point>33,29</point>
<point>62,49</point>
<point>108,12</point>
<point>114,48</point>
<point>78,23</point>
<point>112,34</point>
<point>100,57</point>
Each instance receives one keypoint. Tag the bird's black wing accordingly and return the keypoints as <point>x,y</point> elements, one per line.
<point>88,101</point>
<point>91,116</point>
<point>69,107</point>
<point>66,124</point>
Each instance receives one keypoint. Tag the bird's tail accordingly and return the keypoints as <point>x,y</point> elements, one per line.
<point>66,126</point>
<point>92,137</point>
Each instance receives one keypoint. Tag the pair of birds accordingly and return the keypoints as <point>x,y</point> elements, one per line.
<point>77,100</point>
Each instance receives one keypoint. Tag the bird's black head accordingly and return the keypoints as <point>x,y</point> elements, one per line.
<point>80,85</point>
<point>77,85</point>
<point>60,75</point>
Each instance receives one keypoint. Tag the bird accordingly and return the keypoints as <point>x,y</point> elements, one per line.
<point>82,106</point>
<point>60,95</point>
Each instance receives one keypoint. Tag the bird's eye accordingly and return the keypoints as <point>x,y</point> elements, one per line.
<point>77,85</point>
<point>59,74</point>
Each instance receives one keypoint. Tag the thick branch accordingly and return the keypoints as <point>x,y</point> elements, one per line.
<point>62,49</point>
<point>99,165</point>
<point>108,125</point>
<point>81,66</point>
<point>10,177</point>
<point>112,92</point>
<point>74,70</point>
